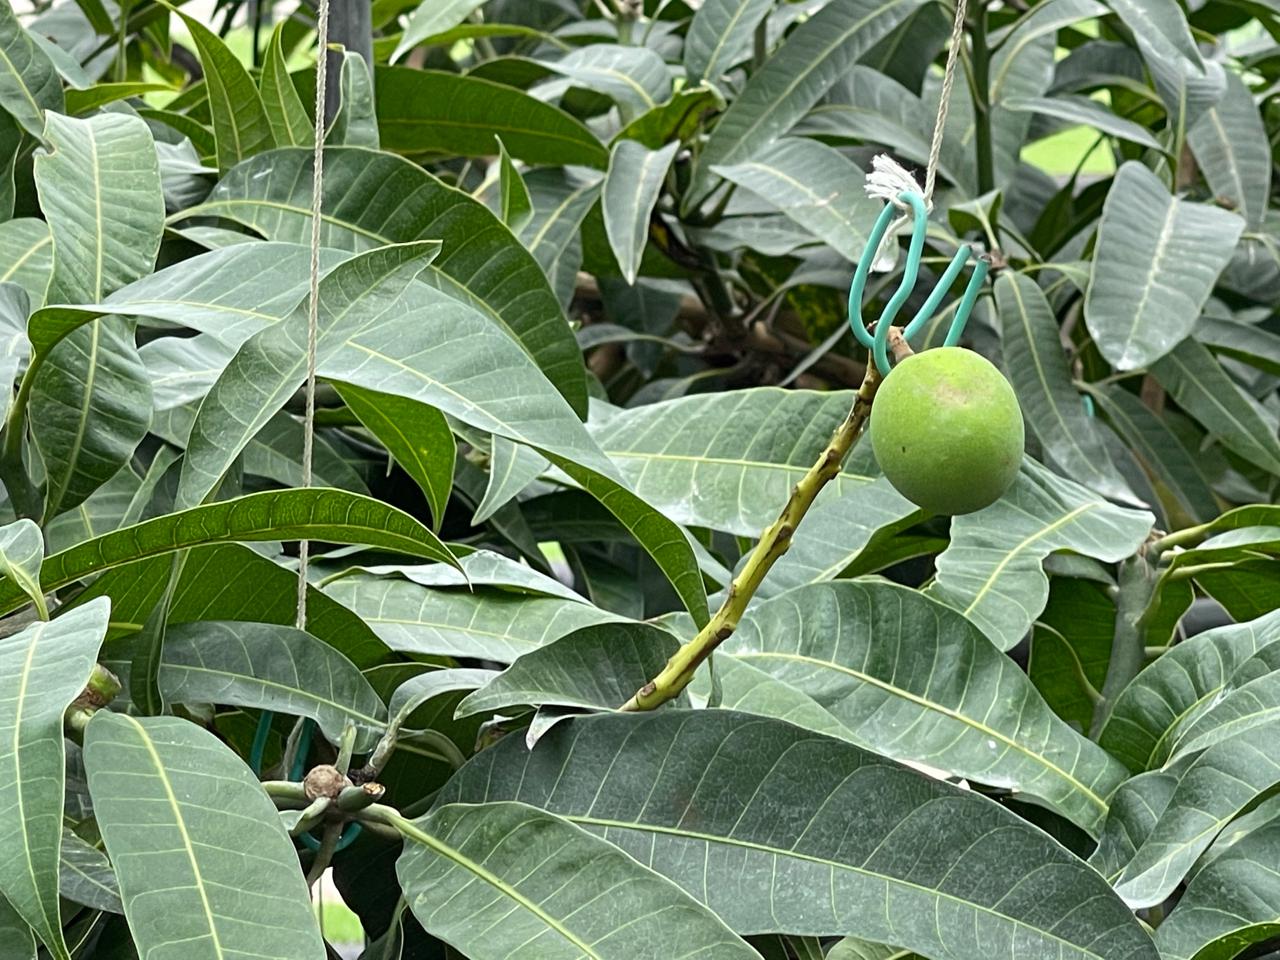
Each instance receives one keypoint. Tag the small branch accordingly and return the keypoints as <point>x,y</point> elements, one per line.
<point>774,542</point>
<point>1137,582</point>
<point>981,89</point>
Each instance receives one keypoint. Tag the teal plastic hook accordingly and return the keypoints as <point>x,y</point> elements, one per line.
<point>878,344</point>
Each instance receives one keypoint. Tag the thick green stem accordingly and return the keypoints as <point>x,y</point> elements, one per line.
<point>1128,646</point>
<point>774,542</point>
<point>22,493</point>
<point>981,89</point>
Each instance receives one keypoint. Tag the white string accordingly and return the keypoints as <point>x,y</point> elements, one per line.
<point>944,102</point>
<point>313,311</point>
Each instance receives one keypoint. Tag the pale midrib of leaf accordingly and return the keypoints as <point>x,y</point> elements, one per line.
<point>1025,320</point>
<point>26,91</point>
<point>328,218</point>
<point>564,205</point>
<point>1008,558</point>
<point>713,59</point>
<point>299,692</point>
<point>181,825</point>
<point>1157,264</point>
<point>55,495</point>
<point>87,877</point>
<point>920,701</point>
<point>411,831</point>
<point>17,265</point>
<point>828,864</point>
<point>17,766</point>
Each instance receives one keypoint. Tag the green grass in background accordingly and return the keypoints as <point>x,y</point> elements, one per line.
<point>1060,154</point>
<point>339,924</point>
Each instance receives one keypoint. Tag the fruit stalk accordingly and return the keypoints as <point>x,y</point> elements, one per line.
<point>774,542</point>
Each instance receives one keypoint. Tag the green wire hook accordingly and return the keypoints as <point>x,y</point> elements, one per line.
<point>878,344</point>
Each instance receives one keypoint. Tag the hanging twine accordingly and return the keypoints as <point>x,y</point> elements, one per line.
<point>313,306</point>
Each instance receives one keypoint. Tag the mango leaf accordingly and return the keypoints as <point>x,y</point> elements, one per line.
<point>904,876</point>
<point>42,669</point>
<point>1246,342</point>
<point>1170,464</point>
<point>813,57</point>
<point>479,625</point>
<point>631,189</point>
<point>21,554</point>
<point>1177,688</point>
<point>481,568</point>
<point>634,77</point>
<point>597,667</point>
<point>1230,904</point>
<point>720,36</point>
<point>1135,808</point>
<point>431,111</point>
<point>1214,788</point>
<point>90,401</point>
<point>26,256</point>
<point>471,882</point>
<point>992,571</point>
<point>747,688</point>
<point>290,125</point>
<point>814,185</point>
<point>272,364</point>
<point>316,514</point>
<point>1157,260</point>
<point>1033,357</point>
<point>552,235</point>
<point>1228,143</point>
<point>241,127</point>
<point>866,651</point>
<point>29,84</point>
<point>493,272</point>
<point>416,436</point>
<point>80,102</point>
<point>86,876</point>
<point>270,667</point>
<point>727,460</point>
<point>354,124</point>
<point>16,938</point>
<point>430,18</point>
<point>516,206</point>
<point>1197,381</point>
<point>1244,704</point>
<point>204,865</point>
<point>416,691</point>
<point>1086,112</point>
<point>511,469</point>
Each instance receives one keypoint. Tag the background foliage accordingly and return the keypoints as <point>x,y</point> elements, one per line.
<point>582,327</point>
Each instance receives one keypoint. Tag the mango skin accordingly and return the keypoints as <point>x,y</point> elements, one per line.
<point>947,431</point>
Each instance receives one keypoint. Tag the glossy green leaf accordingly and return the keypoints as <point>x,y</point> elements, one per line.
<point>1171,465</point>
<point>1229,144</point>
<point>1245,704</point>
<point>868,652</point>
<point>29,84</point>
<point>416,436</point>
<point>21,554</point>
<point>81,102</point>
<point>725,460</point>
<point>1033,357</point>
<point>432,17</point>
<point>631,189</point>
<point>42,669</point>
<point>1204,389</point>
<point>552,234</point>
<point>1157,260</point>
<point>505,878</point>
<point>16,938</point>
<point>375,199</point>
<point>290,125</point>
<point>204,865</point>
<point>516,207</point>
<point>270,667</point>
<point>1214,788</point>
<point>814,185</point>
<point>86,876</point>
<point>748,688</point>
<point>316,514</point>
<point>992,572</point>
<point>272,364</point>
<point>1177,688</point>
<point>634,77</point>
<point>511,469</point>
<point>241,127</point>
<point>1135,808</point>
<point>596,667</point>
<point>813,57</point>
<point>416,691</point>
<point>1082,110</point>
<point>354,124</point>
<point>696,795</point>
<point>720,36</point>
<point>483,568</point>
<point>26,256</point>
<point>1230,904</point>
<point>479,625</point>
<point>428,110</point>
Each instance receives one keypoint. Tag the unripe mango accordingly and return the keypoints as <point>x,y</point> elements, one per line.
<point>947,431</point>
